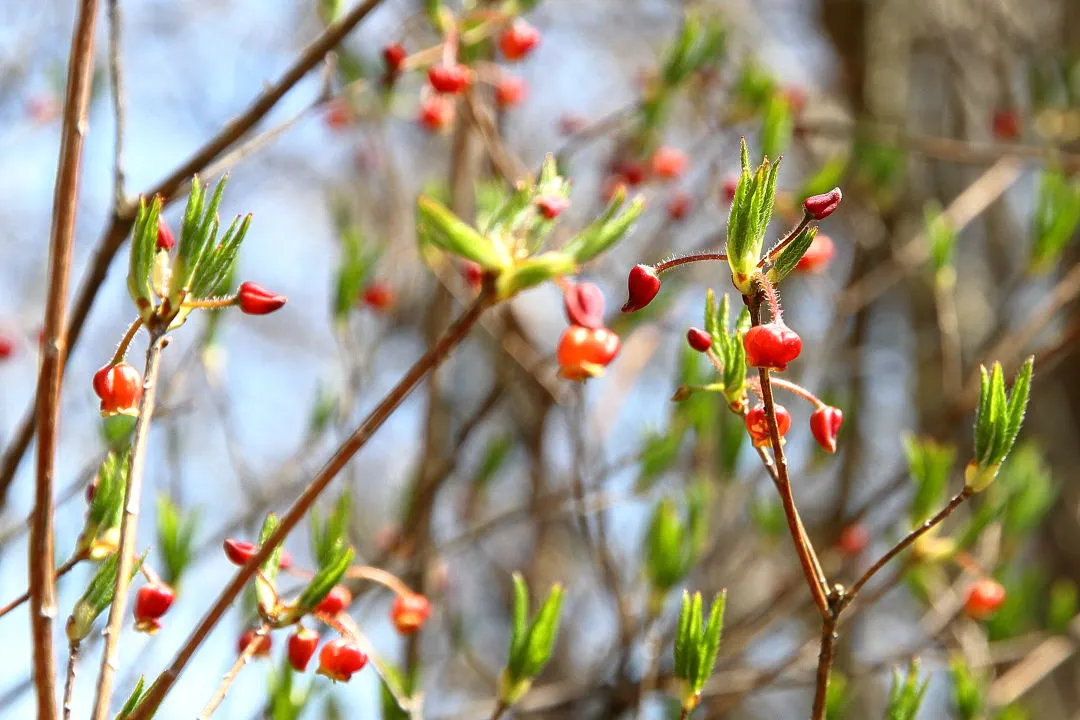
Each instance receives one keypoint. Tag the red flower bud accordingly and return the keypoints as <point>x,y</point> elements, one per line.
<point>393,55</point>
<point>551,206</point>
<point>238,551</point>
<point>699,339</point>
<point>1006,124</point>
<point>473,274</point>
<point>301,647</point>
<point>518,39</point>
<point>853,540</point>
<point>731,186</point>
<point>120,387</point>
<point>7,347</point>
<point>450,79</point>
<point>772,345</point>
<point>410,612</point>
<point>510,90</point>
<point>585,352</point>
<point>818,255</point>
<point>584,304</point>
<point>436,113</point>
<point>151,603</point>
<point>165,238</point>
<point>679,205</point>
<point>379,296</point>
<point>642,284</point>
<point>335,601</point>
<point>257,300</point>
<point>262,649</point>
<point>984,597</point>
<point>821,206</point>
<point>668,163</point>
<point>757,424</point>
<point>339,659</point>
<point>825,425</point>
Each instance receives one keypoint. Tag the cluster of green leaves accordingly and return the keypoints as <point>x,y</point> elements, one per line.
<point>510,244</point>
<point>748,219</point>
<point>333,553</point>
<point>101,529</point>
<point>674,541</point>
<point>906,694</point>
<point>727,346</point>
<point>97,596</point>
<point>176,536</point>
<point>1056,219</point>
<point>997,422</point>
<point>697,643</point>
<point>531,641</point>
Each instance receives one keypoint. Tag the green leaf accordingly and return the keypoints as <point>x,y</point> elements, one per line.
<point>777,126</point>
<point>143,247</point>
<point>532,272</point>
<point>330,537</point>
<point>997,411</point>
<point>1017,406</point>
<point>133,700</point>
<point>696,627</point>
<point>440,226</point>
<point>97,596</point>
<point>176,535</point>
<point>941,237</point>
<point>325,579</point>
<point>542,633</point>
<point>685,644</point>
<point>519,629</point>
<point>266,580</point>
<point>664,547</point>
<point>790,255</point>
<point>967,690</point>
<point>1055,220</point>
<point>906,694</point>
<point>709,644</point>
<point>605,231</point>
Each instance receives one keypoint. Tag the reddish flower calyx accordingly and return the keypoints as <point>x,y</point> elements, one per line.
<point>151,603</point>
<point>822,206</point>
<point>436,113</point>
<point>853,540</point>
<point>642,285</point>
<point>551,206</point>
<point>772,345</point>
<point>339,659</point>
<point>510,90</point>
<point>256,300</point>
<point>1005,124</point>
<point>450,79</point>
<point>239,551</point>
<point>825,425</point>
<point>757,424</point>
<point>583,352</point>
<point>698,339</point>
<point>679,205</point>
<point>165,238</point>
<point>668,163</point>
<point>120,388</point>
<point>584,304</point>
<point>393,56</point>
<point>410,612</point>
<point>251,635</point>
<point>301,647</point>
<point>983,598</point>
<point>731,186</point>
<point>379,296</point>
<point>335,601</point>
<point>518,39</point>
<point>817,256</point>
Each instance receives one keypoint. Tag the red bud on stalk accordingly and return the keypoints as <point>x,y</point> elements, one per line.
<point>642,285</point>
<point>772,345</point>
<point>584,304</point>
<point>256,300</point>
<point>339,659</point>
<point>301,647</point>
<point>822,206</point>
<point>698,339</point>
<point>757,424</point>
<point>825,425</point>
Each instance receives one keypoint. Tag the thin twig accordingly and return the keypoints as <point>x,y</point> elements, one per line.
<point>227,681</point>
<point>129,526</point>
<point>62,570</point>
<point>119,102</point>
<point>824,668</point>
<point>432,359</point>
<point>69,682</point>
<point>53,355</point>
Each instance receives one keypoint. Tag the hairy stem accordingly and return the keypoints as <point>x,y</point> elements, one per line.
<point>69,682</point>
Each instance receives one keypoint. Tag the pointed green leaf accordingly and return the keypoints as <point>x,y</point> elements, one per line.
<point>1017,405</point>
<point>519,629</point>
<point>790,255</point>
<point>984,424</point>
<point>709,644</point>
<point>605,231</point>
<point>684,643</point>
<point>325,579</point>
<point>542,633</point>
<point>446,230</point>
<point>133,700</point>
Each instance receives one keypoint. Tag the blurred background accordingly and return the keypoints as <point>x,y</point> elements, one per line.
<point>953,129</point>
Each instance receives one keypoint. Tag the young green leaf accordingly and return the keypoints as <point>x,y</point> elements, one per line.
<point>441,227</point>
<point>605,231</point>
<point>790,255</point>
<point>325,579</point>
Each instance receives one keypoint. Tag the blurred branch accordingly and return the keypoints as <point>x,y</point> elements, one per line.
<point>250,649</point>
<point>119,102</point>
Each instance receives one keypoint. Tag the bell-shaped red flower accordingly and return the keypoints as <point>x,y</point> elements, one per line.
<point>983,598</point>
<point>772,345</point>
<point>409,612</point>
<point>698,339</point>
<point>585,352</point>
<point>262,649</point>
<point>151,603</point>
<point>518,39</point>
<point>642,285</point>
<point>339,659</point>
<point>450,79</point>
<point>821,206</point>
<point>584,304</point>
<point>757,424</point>
<point>120,388</point>
<point>825,425</point>
<point>335,601</point>
<point>301,647</point>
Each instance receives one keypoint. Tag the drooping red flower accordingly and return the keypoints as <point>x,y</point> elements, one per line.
<point>510,90</point>
<point>450,79</point>
<point>825,425</point>
<point>436,113</point>
<point>772,345</point>
<point>584,304</point>
<point>301,647</point>
<point>120,388</point>
<point>817,256</point>
<point>757,424</point>
<point>698,339</point>
<point>983,598</point>
<point>822,206</point>
<point>518,39</point>
<point>340,658</point>
<point>262,649</point>
<point>151,603</point>
<point>335,601</point>
<point>642,285</point>
<point>410,612</point>
<point>585,352</point>
<point>669,163</point>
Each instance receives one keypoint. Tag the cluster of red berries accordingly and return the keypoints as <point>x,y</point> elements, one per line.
<point>666,164</point>
<point>586,347</point>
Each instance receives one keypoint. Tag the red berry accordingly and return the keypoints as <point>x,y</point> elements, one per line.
<point>853,540</point>
<point>584,304</point>
<point>339,659</point>
<point>301,647</point>
<point>772,345</point>
<point>410,612</point>
<point>698,339</point>
<point>450,79</point>
<point>585,352</point>
<point>551,206</point>
<point>518,39</point>
<point>731,186</point>
<point>984,597</point>
<point>379,296</point>
<point>7,347</point>
<point>120,387</point>
<point>473,274</point>
<point>818,255</point>
<point>669,163</point>
<point>238,551</point>
<point>1006,124</point>
<point>436,113</point>
<point>335,601</point>
<point>822,206</point>
<point>679,205</point>
<point>257,300</point>
<point>262,649</point>
<point>393,55</point>
<point>825,425</point>
<point>339,115</point>
<point>151,603</point>
<point>642,285</point>
<point>165,238</point>
<point>510,90</point>
<point>757,424</point>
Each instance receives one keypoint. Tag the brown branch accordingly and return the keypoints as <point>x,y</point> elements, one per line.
<point>824,667</point>
<point>121,222</point>
<point>432,359</point>
<point>227,681</point>
<point>129,526</point>
<point>69,682</point>
<point>54,350</point>
<point>119,102</point>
